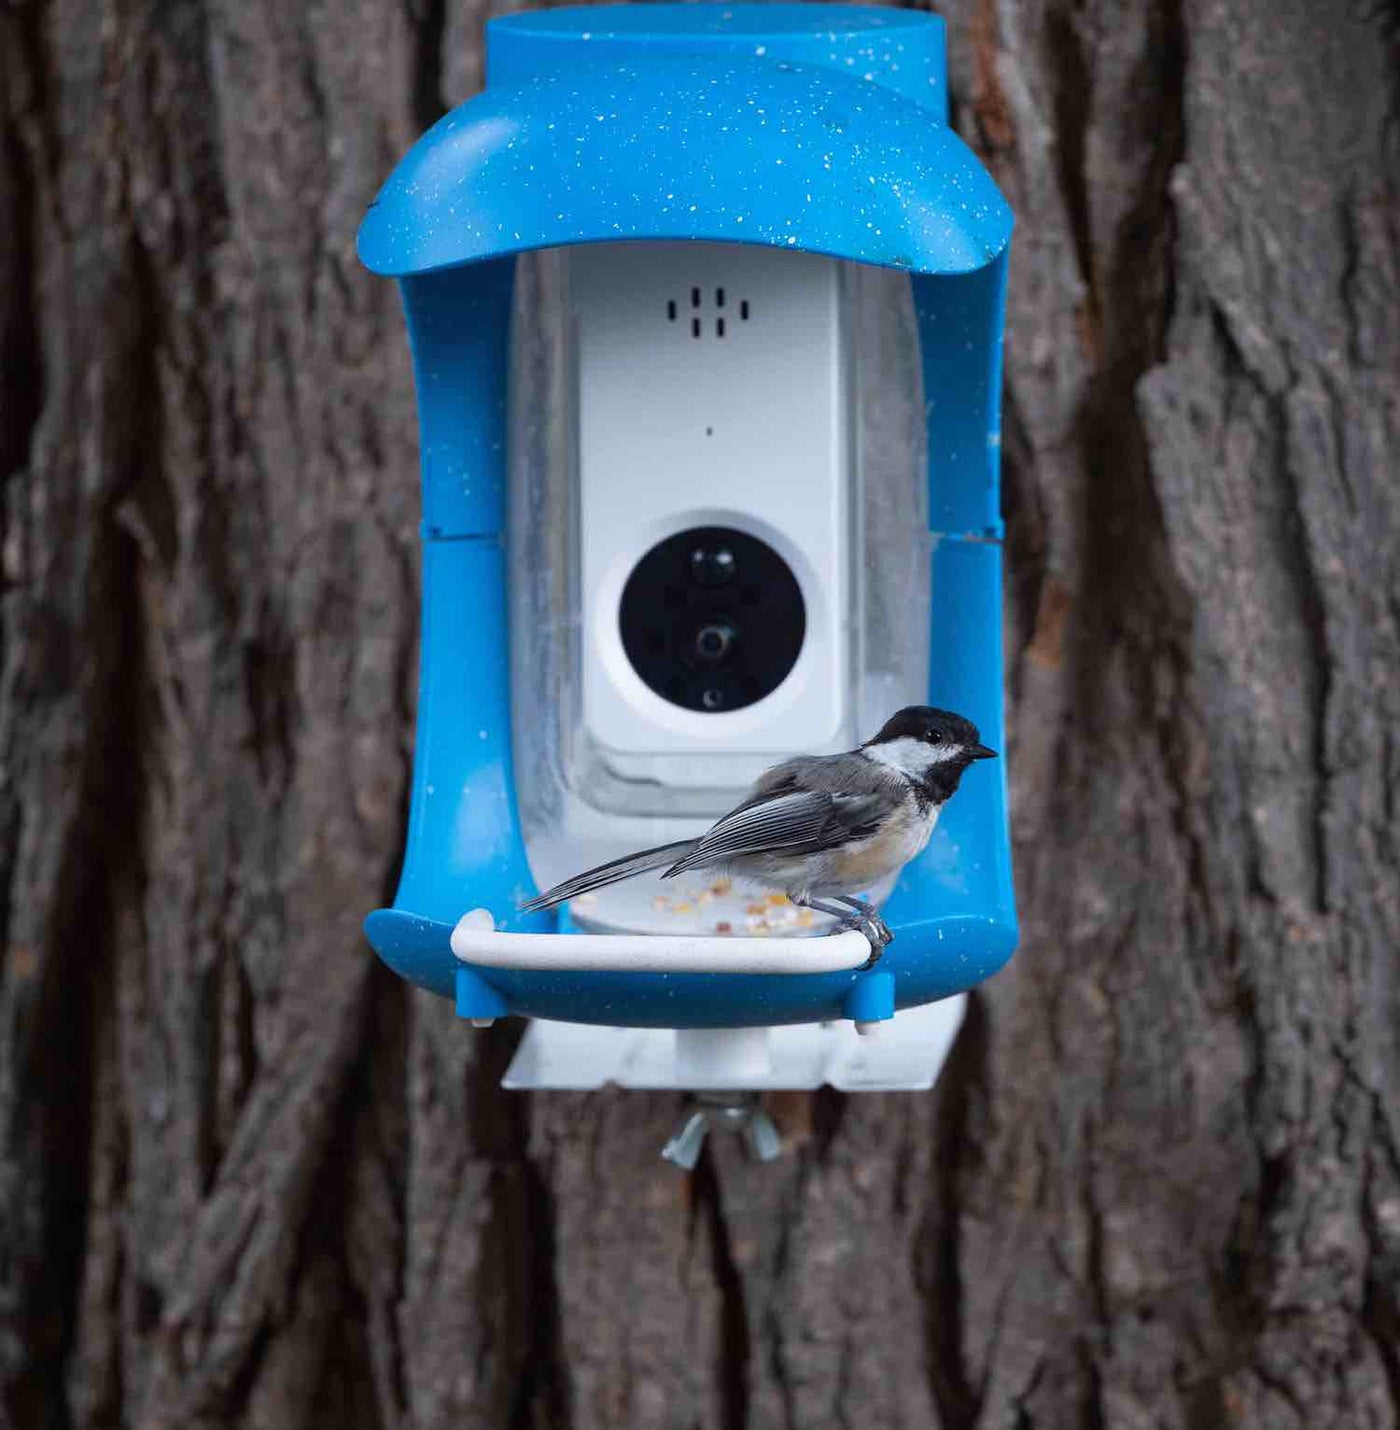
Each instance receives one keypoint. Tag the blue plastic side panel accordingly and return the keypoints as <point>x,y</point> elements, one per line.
<point>960,329</point>
<point>459,329</point>
<point>955,904</point>
<point>733,150</point>
<point>417,949</point>
<point>902,50</point>
<point>464,844</point>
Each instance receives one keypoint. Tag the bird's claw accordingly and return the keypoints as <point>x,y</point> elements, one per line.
<point>877,947</point>
<point>877,935</point>
<point>874,926</point>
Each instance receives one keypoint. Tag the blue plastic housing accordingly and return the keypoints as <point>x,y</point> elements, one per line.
<point>801,126</point>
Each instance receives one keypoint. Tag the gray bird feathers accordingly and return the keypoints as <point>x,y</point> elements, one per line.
<point>628,867</point>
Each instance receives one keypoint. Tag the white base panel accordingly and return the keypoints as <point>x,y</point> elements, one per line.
<point>905,1054</point>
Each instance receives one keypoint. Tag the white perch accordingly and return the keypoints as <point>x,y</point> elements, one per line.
<point>475,940</point>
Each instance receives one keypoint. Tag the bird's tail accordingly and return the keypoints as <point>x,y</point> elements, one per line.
<point>642,862</point>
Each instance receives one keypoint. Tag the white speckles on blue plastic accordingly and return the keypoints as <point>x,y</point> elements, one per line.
<point>742,124</point>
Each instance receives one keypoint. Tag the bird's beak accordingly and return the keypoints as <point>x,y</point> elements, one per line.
<point>981,752</point>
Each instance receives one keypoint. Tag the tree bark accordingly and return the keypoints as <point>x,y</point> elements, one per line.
<point>248,1179</point>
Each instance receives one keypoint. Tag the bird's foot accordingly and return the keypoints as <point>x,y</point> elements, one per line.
<point>877,947</point>
<point>877,935</point>
<point>874,928</point>
<point>856,914</point>
<point>867,919</point>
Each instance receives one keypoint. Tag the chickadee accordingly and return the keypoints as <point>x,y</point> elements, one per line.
<point>822,827</point>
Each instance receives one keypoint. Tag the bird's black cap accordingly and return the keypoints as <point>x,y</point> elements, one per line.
<point>933,727</point>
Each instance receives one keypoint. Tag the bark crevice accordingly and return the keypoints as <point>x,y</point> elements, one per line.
<point>734,1339</point>
<point>941,1246</point>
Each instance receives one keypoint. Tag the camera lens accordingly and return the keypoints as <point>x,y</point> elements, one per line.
<point>712,619</point>
<point>713,642</point>
<point>712,565</point>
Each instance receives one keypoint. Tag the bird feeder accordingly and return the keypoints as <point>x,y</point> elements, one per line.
<point>705,305</point>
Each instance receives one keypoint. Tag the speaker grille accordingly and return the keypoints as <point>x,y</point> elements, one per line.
<point>707,311</point>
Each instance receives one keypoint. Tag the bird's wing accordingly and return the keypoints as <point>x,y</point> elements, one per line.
<point>804,822</point>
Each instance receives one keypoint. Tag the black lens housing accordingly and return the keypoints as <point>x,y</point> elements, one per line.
<point>712,619</point>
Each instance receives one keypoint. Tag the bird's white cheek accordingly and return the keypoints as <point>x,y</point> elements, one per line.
<point>909,756</point>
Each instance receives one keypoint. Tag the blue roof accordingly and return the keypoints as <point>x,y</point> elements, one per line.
<point>695,23</point>
<point>718,148</point>
<point>903,50</point>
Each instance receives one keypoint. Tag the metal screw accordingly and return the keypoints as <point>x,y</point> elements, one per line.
<point>732,1111</point>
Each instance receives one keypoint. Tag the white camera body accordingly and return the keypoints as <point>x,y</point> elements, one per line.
<point>711,394</point>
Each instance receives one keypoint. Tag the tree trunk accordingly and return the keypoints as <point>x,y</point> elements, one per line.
<point>248,1179</point>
